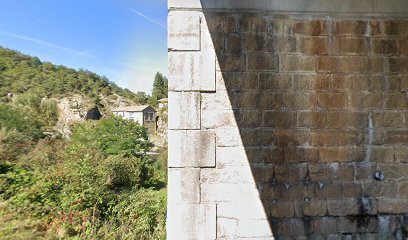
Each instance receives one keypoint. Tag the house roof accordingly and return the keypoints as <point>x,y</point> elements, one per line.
<point>131,108</point>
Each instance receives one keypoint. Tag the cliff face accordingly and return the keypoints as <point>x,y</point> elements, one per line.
<point>76,108</point>
<point>159,138</point>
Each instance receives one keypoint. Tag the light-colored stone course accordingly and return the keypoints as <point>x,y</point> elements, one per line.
<point>183,185</point>
<point>191,148</point>
<point>184,110</point>
<point>184,31</point>
<point>191,221</point>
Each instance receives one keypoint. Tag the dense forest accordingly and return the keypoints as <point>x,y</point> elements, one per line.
<point>97,184</point>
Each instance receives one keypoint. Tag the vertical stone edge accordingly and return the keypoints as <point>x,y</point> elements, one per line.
<point>190,148</point>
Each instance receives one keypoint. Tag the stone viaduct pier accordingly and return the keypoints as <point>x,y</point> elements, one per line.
<point>288,119</point>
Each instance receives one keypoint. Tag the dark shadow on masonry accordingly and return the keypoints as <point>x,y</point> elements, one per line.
<point>320,100</point>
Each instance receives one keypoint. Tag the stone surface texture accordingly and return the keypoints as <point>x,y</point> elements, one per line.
<point>288,125</point>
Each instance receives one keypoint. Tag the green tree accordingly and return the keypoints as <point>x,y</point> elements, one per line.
<point>141,97</point>
<point>113,136</point>
<point>160,87</point>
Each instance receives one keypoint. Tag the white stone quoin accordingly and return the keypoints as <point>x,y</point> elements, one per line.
<point>211,190</point>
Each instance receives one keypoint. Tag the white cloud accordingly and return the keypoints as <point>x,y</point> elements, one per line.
<point>148,18</point>
<point>44,43</point>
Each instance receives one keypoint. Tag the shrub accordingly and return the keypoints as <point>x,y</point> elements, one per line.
<point>13,144</point>
<point>49,112</point>
<point>22,121</point>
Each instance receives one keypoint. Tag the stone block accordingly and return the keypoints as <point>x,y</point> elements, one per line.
<point>288,137</point>
<point>279,119</point>
<point>183,185</point>
<point>401,154</point>
<point>365,101</point>
<point>394,119</point>
<point>280,44</point>
<point>351,46</point>
<point>275,82</point>
<point>383,154</point>
<point>236,43</point>
<point>347,119</point>
<point>220,100</point>
<point>322,172</point>
<point>398,65</point>
<point>393,205</point>
<point>212,118</point>
<point>293,155</point>
<point>404,83</point>
<point>191,221</point>
<point>293,191</point>
<point>392,171</point>
<point>297,63</point>
<point>380,189</point>
<point>229,192</point>
<point>263,62</point>
<point>391,27</point>
<point>226,227</point>
<point>299,101</point>
<point>333,137</point>
<point>398,137</point>
<point>324,225</point>
<point>313,45</point>
<point>351,28</point>
<point>252,210</point>
<point>311,27</point>
<point>314,208</point>
<point>254,229</point>
<point>403,189</point>
<point>311,82</point>
<point>268,155</point>
<point>342,64</point>
<point>249,118</point>
<point>332,100</point>
<point>343,207</point>
<point>294,227</point>
<point>184,110</point>
<point>395,101</point>
<point>365,171</point>
<point>290,173</point>
<point>311,119</point>
<point>210,39</point>
<point>336,154</point>
<point>347,225</point>
<point>194,148</point>
<point>361,83</point>
<point>236,156</point>
<point>251,23</point>
<point>282,209</point>
<point>352,190</point>
<point>228,137</point>
<point>239,174</point>
<point>231,62</point>
<point>184,31</point>
<point>385,46</point>
<point>327,190</point>
<point>192,71</point>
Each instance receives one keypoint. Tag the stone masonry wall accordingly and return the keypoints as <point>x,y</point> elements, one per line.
<point>287,125</point>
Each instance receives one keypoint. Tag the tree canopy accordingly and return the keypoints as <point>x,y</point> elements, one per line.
<point>21,73</point>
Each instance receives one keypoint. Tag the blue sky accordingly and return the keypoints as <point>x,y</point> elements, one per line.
<point>125,40</point>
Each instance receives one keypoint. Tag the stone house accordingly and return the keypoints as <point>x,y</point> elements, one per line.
<point>145,115</point>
